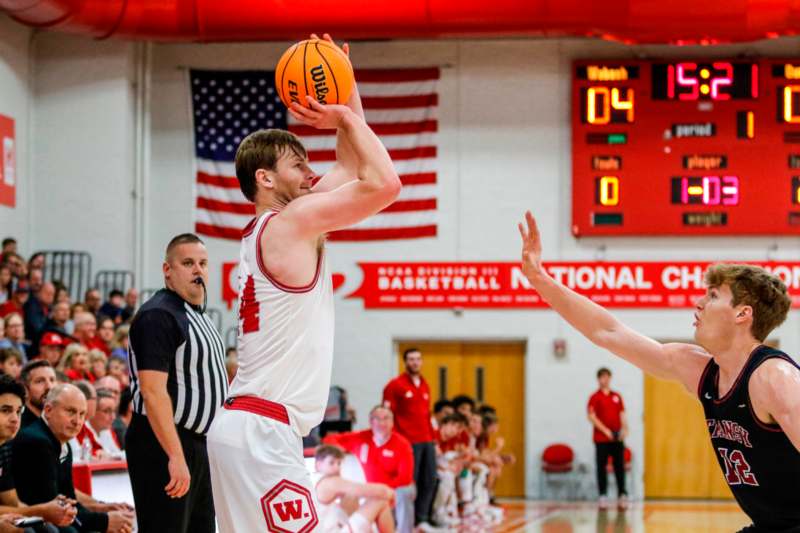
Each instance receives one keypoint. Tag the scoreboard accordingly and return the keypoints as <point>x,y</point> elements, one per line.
<point>695,147</point>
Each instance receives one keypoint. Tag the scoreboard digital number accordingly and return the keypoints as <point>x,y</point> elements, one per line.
<point>700,147</point>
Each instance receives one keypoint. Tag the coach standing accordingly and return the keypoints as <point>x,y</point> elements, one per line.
<point>178,382</point>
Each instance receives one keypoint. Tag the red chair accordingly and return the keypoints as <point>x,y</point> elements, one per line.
<point>82,478</point>
<point>557,462</point>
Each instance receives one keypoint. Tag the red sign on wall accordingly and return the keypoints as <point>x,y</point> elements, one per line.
<point>8,165</point>
<point>503,285</point>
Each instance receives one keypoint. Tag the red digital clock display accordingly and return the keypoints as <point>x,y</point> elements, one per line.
<point>695,147</point>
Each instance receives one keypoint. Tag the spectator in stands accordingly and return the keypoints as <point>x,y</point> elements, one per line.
<point>59,319</point>
<point>62,294</point>
<point>84,436</point>
<point>35,280</point>
<point>408,396</point>
<point>15,335</point>
<point>124,415</point>
<point>5,283</point>
<point>86,331</point>
<point>42,472</point>
<point>118,368</point>
<point>110,385</point>
<point>19,296</point>
<point>100,423</point>
<point>9,247</point>
<point>464,405</point>
<point>10,362</point>
<point>386,457</point>
<point>105,332</point>
<point>18,267</point>
<point>37,310</point>
<point>59,511</point>
<point>119,344</point>
<point>38,377</point>
<point>441,409</point>
<point>97,364</point>
<point>113,307</point>
<point>92,300</point>
<point>51,347</point>
<point>36,261</point>
<point>336,494</point>
<point>75,363</point>
<point>131,299</point>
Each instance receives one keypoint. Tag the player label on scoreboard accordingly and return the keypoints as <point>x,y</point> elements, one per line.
<point>8,162</point>
<point>687,147</point>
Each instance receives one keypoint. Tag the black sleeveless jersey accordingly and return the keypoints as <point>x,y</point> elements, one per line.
<point>758,460</point>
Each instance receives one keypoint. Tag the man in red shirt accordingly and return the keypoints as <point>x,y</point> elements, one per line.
<point>409,398</point>
<point>607,415</point>
<point>387,458</point>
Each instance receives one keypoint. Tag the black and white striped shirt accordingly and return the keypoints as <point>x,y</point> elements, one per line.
<point>170,335</point>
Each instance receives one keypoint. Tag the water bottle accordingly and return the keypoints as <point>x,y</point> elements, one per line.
<point>86,450</point>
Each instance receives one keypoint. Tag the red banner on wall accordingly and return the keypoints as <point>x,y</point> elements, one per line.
<point>8,162</point>
<point>503,285</point>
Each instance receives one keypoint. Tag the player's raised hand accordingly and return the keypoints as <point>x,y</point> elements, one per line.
<point>531,248</point>
<point>327,37</point>
<point>320,116</point>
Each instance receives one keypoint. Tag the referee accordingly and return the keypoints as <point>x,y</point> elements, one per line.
<point>178,382</point>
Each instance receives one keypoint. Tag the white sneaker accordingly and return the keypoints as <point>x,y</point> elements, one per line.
<point>623,503</point>
<point>602,502</point>
<point>427,527</point>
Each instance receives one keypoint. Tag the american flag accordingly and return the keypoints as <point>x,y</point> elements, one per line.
<point>400,106</point>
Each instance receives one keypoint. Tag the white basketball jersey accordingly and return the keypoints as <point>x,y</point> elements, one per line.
<point>285,348</point>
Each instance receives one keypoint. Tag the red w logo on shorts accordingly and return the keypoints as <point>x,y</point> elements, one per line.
<point>289,508</point>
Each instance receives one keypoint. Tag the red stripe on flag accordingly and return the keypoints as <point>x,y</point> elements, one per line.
<point>398,154</point>
<point>217,181</point>
<point>397,128</point>
<point>383,233</point>
<point>368,75</point>
<point>400,102</point>
<point>237,208</point>
<point>411,205</point>
<point>422,178</point>
<point>221,232</point>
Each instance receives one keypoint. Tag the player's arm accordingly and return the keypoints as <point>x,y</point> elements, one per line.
<point>676,361</point>
<point>596,422</point>
<point>346,165</point>
<point>340,486</point>
<point>775,389</point>
<point>377,184</point>
<point>624,430</point>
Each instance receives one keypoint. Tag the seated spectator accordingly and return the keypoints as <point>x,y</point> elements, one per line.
<point>59,319</point>
<point>118,368</point>
<point>75,363</point>
<point>111,385</point>
<point>42,470</point>
<point>19,269</point>
<point>92,300</point>
<point>74,310</point>
<point>119,344</point>
<point>441,409</point>
<point>85,446</point>
<point>100,424</point>
<point>37,311</point>
<point>10,362</point>
<point>35,280</point>
<point>113,307</point>
<point>97,364</point>
<point>36,261</point>
<point>9,246</point>
<point>494,457</point>
<point>339,506</point>
<point>5,283</point>
<point>86,332</point>
<point>15,335</point>
<point>16,304</point>
<point>59,511</point>
<point>51,347</point>
<point>124,415</point>
<point>131,299</point>
<point>62,294</point>
<point>451,461</point>
<point>105,332</point>
<point>386,457</point>
<point>38,377</point>
<point>463,404</point>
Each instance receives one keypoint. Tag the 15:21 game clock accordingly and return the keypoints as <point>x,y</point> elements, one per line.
<point>686,147</point>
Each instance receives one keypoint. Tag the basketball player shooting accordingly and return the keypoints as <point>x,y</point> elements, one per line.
<point>750,393</point>
<point>285,344</point>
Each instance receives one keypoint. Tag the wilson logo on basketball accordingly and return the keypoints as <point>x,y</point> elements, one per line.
<point>289,508</point>
<point>320,86</point>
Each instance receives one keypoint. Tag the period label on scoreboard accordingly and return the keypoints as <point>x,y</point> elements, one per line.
<point>694,147</point>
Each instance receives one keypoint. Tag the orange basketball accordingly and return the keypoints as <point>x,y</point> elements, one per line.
<point>317,68</point>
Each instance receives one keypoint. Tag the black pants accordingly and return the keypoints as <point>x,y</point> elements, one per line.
<point>425,479</point>
<point>147,465</point>
<point>616,450</point>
